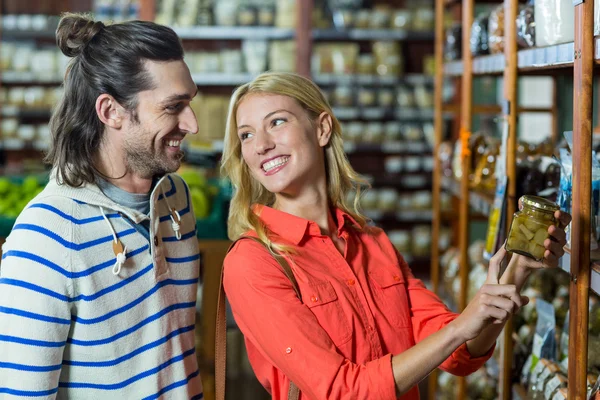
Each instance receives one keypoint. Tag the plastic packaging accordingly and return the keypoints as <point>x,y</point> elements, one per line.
<point>596,17</point>
<point>496,30</point>
<point>526,27</point>
<point>554,22</point>
<point>544,342</point>
<point>529,228</point>
<point>452,49</point>
<point>479,36</point>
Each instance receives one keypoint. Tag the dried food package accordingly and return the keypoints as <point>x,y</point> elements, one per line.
<point>452,49</point>
<point>554,22</point>
<point>526,27</point>
<point>496,30</point>
<point>479,36</point>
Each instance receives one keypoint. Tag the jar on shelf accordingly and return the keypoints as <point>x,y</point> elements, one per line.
<point>380,19</point>
<point>343,96</point>
<point>529,228</point>
<point>385,97</point>
<point>401,19</point>
<point>366,97</point>
<point>401,241</point>
<point>365,64</point>
<point>247,15</point>
<point>266,15</point>
<point>362,20</point>
<point>393,131</point>
<point>373,132</point>
<point>353,131</point>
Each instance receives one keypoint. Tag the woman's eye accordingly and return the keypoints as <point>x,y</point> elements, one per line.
<point>278,121</point>
<point>245,136</point>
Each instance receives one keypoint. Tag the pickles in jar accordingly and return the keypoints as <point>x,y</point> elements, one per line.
<point>529,229</point>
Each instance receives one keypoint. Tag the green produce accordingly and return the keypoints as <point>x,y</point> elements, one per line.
<point>14,196</point>
<point>202,191</point>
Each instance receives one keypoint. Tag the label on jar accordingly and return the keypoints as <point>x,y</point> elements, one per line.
<point>538,342</point>
<point>551,386</point>
<point>560,395</point>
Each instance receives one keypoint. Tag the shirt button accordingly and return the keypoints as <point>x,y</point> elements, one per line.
<point>314,299</point>
<point>351,282</point>
<point>396,278</point>
<point>156,240</point>
<point>369,328</point>
<point>288,350</point>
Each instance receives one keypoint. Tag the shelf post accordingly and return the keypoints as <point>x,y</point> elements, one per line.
<point>582,182</point>
<point>466,111</point>
<point>438,120</point>
<point>510,114</point>
<point>304,11</point>
<point>147,10</point>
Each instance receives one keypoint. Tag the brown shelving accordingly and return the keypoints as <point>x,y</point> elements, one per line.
<point>577,58</point>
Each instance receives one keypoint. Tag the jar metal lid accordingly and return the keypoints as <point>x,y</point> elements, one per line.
<point>539,203</point>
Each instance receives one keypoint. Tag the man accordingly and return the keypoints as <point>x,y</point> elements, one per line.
<point>99,275</point>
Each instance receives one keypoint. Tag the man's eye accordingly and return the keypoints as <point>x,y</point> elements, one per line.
<point>174,108</point>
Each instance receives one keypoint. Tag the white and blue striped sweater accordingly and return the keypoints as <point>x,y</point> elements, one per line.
<point>70,328</point>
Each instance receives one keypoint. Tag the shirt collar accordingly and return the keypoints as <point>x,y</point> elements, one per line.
<point>293,228</point>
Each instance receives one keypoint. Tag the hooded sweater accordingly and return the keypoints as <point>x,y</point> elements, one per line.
<point>92,309</point>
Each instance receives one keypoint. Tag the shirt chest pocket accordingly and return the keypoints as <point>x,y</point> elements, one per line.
<point>321,298</point>
<point>389,290</point>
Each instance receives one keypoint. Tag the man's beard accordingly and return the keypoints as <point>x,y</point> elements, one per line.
<point>147,162</point>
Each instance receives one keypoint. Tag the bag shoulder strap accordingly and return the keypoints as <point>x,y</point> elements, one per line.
<point>221,325</point>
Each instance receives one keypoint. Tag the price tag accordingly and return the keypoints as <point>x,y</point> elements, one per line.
<point>10,111</point>
<point>373,113</point>
<point>366,79</point>
<point>375,215</point>
<point>349,147</point>
<point>551,55</point>
<point>393,147</point>
<point>565,53</point>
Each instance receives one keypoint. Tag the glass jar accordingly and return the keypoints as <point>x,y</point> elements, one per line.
<point>529,228</point>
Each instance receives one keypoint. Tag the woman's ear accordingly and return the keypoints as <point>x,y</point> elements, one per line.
<point>109,111</point>
<point>324,129</point>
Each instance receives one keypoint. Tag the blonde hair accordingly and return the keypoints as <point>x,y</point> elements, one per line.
<point>341,177</point>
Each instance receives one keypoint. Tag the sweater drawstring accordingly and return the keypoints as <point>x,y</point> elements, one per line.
<point>118,249</point>
<point>175,217</point>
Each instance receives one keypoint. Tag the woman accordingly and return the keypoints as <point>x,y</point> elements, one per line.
<point>364,327</point>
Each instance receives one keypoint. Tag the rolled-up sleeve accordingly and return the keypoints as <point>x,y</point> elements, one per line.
<point>287,334</point>
<point>429,315</point>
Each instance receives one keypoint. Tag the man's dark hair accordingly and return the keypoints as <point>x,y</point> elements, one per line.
<point>106,59</point>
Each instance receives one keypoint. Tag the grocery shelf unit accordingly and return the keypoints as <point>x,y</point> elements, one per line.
<point>578,57</point>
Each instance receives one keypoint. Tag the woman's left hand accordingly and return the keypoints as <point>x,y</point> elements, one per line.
<point>554,244</point>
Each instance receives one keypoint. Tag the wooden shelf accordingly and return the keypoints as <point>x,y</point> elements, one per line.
<point>479,202</point>
<point>401,216</point>
<point>366,79</point>
<point>565,265</point>
<point>28,78</point>
<point>31,113</point>
<point>489,64</point>
<point>544,58</point>
<point>234,33</point>
<point>396,147</point>
<point>555,57</point>
<point>382,113</point>
<point>221,78</point>
<point>29,34</point>
<point>369,34</point>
